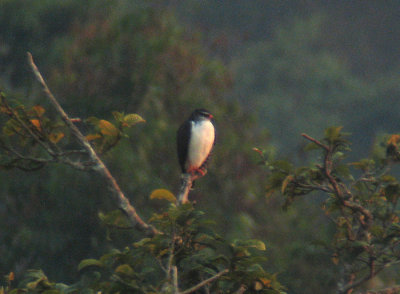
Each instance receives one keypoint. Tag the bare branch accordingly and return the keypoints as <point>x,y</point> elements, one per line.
<point>122,201</point>
<point>187,181</point>
<point>186,185</point>
<point>315,141</point>
<point>205,282</point>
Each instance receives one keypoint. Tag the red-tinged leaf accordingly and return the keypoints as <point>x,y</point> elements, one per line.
<point>286,182</point>
<point>92,137</point>
<point>39,110</point>
<point>107,128</point>
<point>11,276</point>
<point>36,123</point>
<point>394,140</point>
<point>56,137</point>
<point>258,151</point>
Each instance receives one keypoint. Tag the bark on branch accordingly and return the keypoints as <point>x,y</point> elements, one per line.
<point>186,185</point>
<point>100,167</point>
<point>327,168</point>
<point>205,282</point>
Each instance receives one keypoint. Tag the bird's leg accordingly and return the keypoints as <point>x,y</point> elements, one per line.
<point>199,172</point>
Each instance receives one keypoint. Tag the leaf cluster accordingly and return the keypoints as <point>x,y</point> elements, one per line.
<point>361,200</point>
<point>188,243</point>
<point>106,134</point>
<point>30,139</point>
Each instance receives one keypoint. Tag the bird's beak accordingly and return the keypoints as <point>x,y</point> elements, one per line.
<point>211,116</point>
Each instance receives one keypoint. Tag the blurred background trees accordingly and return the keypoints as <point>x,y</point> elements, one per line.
<point>267,70</point>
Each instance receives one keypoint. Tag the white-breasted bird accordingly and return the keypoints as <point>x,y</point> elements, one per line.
<point>195,141</point>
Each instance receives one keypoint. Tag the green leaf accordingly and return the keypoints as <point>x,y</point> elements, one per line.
<point>115,218</point>
<point>126,270</point>
<point>163,194</point>
<point>89,262</point>
<point>333,133</point>
<point>253,243</point>
<point>364,164</point>
<point>311,146</point>
<point>282,165</point>
<point>39,110</point>
<point>344,171</point>
<point>132,119</point>
<point>119,116</point>
<point>260,245</point>
<point>94,121</point>
<point>142,242</point>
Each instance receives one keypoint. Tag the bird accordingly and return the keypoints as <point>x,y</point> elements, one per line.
<point>195,141</point>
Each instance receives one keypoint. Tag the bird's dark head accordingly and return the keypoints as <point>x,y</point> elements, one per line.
<point>201,114</point>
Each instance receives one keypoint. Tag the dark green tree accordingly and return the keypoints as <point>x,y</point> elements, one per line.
<point>361,201</point>
<point>128,57</point>
<point>180,251</point>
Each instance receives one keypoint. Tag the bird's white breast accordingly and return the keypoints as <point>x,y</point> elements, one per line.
<point>201,142</point>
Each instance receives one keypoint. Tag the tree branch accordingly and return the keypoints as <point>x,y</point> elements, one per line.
<point>353,284</point>
<point>175,279</point>
<point>327,168</point>
<point>186,185</point>
<point>205,282</point>
<point>122,201</point>
<point>315,141</point>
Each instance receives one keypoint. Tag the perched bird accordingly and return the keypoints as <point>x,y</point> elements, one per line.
<point>195,140</point>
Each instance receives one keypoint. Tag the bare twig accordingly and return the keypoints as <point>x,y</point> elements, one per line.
<point>205,282</point>
<point>122,201</point>
<point>315,141</point>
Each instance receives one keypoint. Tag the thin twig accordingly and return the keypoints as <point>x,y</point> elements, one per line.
<point>315,141</point>
<point>205,282</point>
<point>100,167</point>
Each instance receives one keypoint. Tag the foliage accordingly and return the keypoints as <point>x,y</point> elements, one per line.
<point>363,204</point>
<point>187,243</point>
<point>304,65</point>
<point>28,135</point>
<point>111,55</point>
